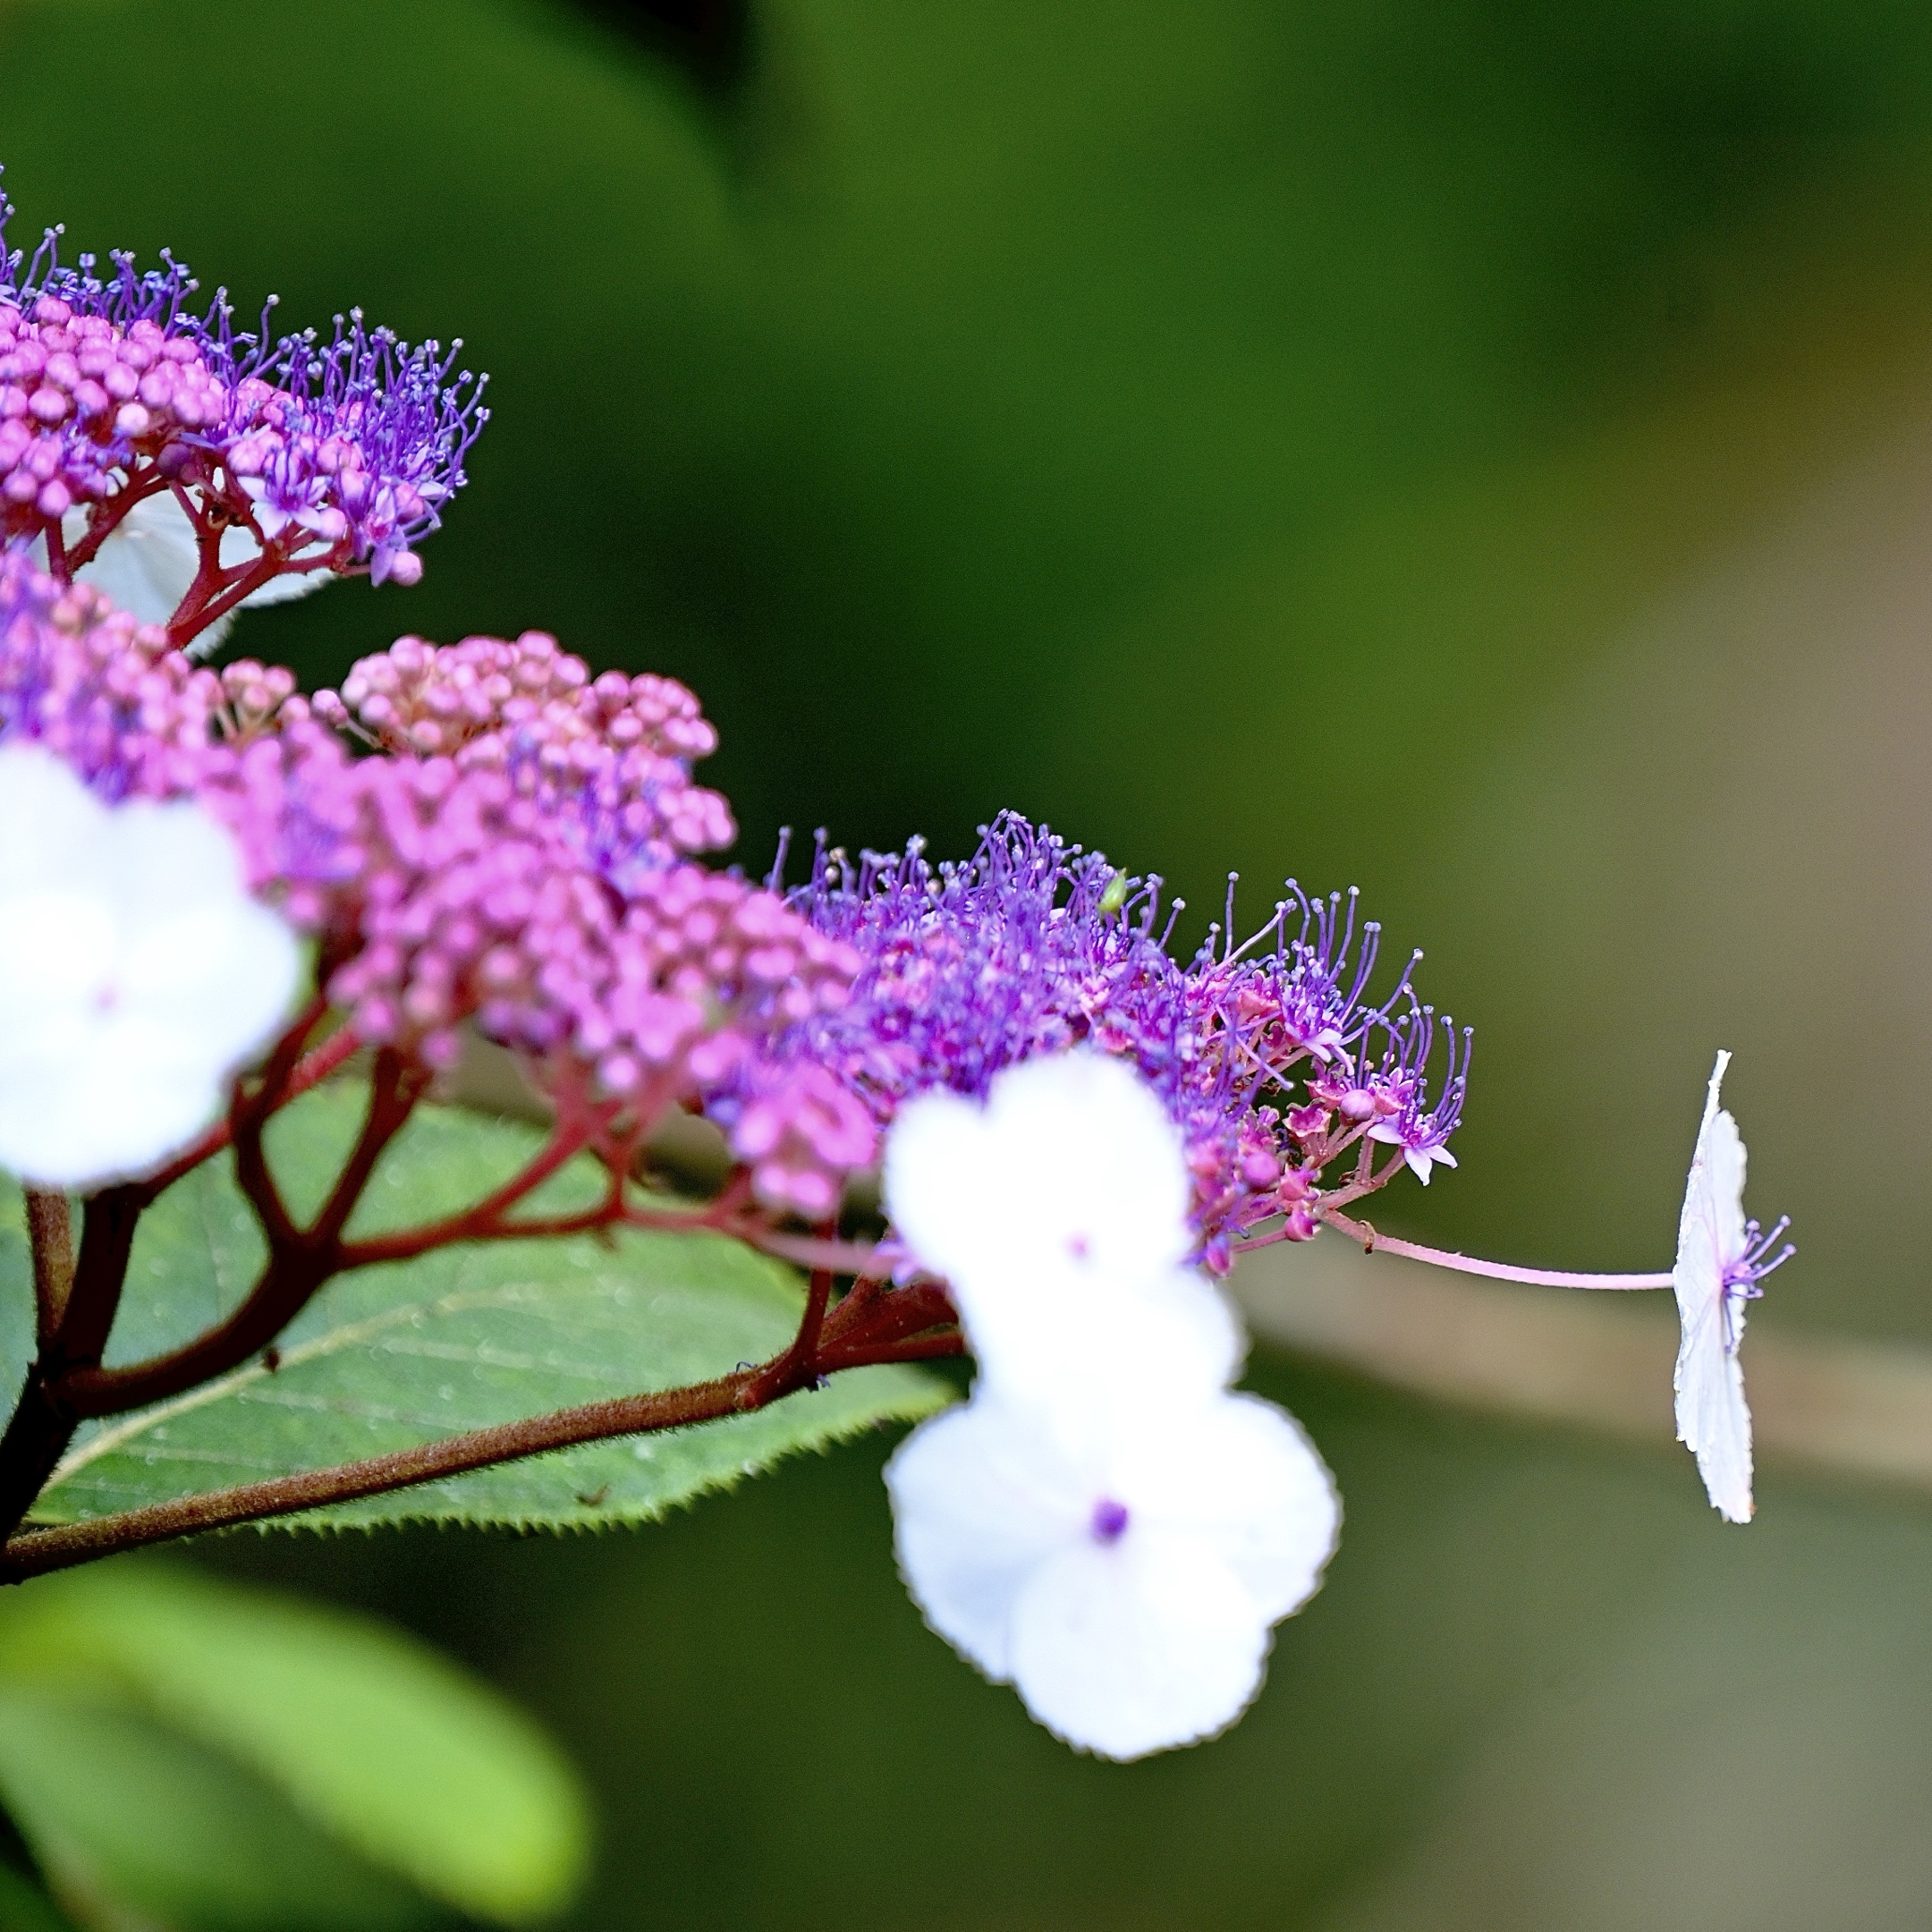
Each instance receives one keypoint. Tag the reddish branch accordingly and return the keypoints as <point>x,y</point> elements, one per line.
<point>898,1327</point>
<point>105,520</point>
<point>77,1299</point>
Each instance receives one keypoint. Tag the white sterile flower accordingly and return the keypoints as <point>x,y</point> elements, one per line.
<point>150,558</point>
<point>1122,1569</point>
<point>1057,1213</point>
<point>136,973</point>
<point>1721,1258</point>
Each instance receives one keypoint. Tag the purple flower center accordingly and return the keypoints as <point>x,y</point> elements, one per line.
<point>1109,1520</point>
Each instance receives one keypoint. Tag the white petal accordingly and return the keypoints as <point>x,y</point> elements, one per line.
<point>1137,1647</point>
<point>1175,1339</point>
<point>1149,1639</point>
<point>941,1181</point>
<point>132,989</point>
<point>1713,1419</point>
<point>48,815</point>
<point>58,952</point>
<point>1073,1167</point>
<point>1241,1474</point>
<point>980,1500</point>
<point>1057,1213</point>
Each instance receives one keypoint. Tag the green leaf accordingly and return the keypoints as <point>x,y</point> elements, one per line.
<point>138,1826</point>
<point>371,1737</point>
<point>404,1353</point>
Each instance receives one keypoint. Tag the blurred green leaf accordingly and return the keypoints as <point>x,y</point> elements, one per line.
<point>139,1827</point>
<point>460,1339</point>
<point>417,1765</point>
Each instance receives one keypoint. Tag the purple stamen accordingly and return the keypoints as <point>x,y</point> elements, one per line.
<point>1109,1520</point>
<point>1750,1267</point>
<point>1742,1277</point>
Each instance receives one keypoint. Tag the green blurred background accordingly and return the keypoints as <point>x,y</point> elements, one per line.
<point>1481,450</point>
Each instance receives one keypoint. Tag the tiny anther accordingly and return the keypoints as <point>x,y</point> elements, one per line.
<point>271,1360</point>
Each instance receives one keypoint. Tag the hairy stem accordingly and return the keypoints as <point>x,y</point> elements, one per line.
<point>50,1235</point>
<point>37,1551</point>
<point>881,1339</point>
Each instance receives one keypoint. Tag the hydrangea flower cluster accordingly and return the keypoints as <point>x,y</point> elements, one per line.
<point>107,695</point>
<point>1033,946</point>
<point>1104,1525</point>
<point>236,467</point>
<point>457,885</point>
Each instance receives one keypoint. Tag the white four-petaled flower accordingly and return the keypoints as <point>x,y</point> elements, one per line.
<point>1713,1280</point>
<point>1103,1525</point>
<point>136,973</point>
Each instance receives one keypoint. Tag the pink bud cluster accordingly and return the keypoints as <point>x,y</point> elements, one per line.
<point>799,1128</point>
<point>610,756</point>
<point>443,892</point>
<point>106,694</point>
<point>82,399</point>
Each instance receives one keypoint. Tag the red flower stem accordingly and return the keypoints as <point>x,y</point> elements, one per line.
<point>312,1071</point>
<point>106,519</point>
<point>485,1221</point>
<point>932,1347</point>
<point>59,565</point>
<point>394,1089</point>
<point>300,1260</point>
<point>42,1425</point>
<point>1374,1243</point>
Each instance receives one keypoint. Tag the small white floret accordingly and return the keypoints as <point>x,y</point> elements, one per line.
<point>136,974</point>
<point>1122,1569</point>
<point>1058,1215</point>
<point>1713,1419</point>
